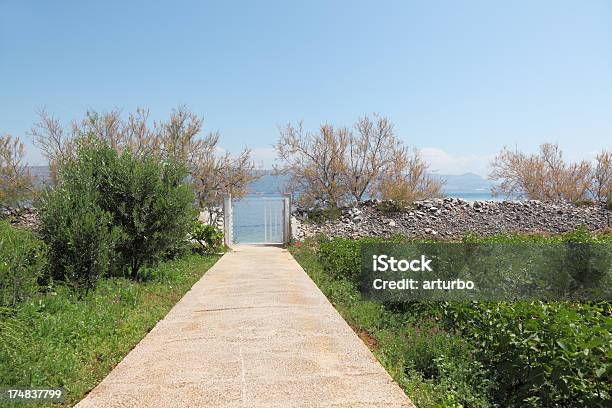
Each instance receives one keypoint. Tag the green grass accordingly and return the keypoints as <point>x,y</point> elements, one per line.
<point>59,340</point>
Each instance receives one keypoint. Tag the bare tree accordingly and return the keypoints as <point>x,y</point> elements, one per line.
<point>179,136</point>
<point>16,183</point>
<point>106,126</point>
<point>216,174</point>
<point>370,154</point>
<point>406,180</point>
<point>315,163</point>
<point>55,143</point>
<point>542,176</point>
<point>601,183</point>
<point>335,165</point>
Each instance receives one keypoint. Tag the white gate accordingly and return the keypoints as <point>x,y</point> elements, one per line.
<point>257,220</point>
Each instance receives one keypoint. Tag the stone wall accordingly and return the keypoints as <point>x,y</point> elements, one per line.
<point>451,218</point>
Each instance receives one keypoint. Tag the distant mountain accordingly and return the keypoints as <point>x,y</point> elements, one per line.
<point>268,184</point>
<point>468,182</point>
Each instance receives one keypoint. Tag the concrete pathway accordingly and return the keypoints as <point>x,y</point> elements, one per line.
<point>255,331</point>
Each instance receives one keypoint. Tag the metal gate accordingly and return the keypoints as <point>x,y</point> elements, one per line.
<point>257,220</point>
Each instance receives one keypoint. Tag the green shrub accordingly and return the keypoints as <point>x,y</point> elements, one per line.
<point>149,202</point>
<point>341,258</point>
<point>207,238</point>
<point>114,213</point>
<point>79,233</point>
<point>446,358</point>
<point>392,207</point>
<point>22,259</point>
<point>540,354</point>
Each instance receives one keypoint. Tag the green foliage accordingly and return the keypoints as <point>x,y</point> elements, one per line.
<point>113,213</point>
<point>59,340</point>
<point>479,354</point>
<point>540,354</point>
<point>584,203</point>
<point>208,238</point>
<point>79,233</point>
<point>148,201</point>
<point>22,259</point>
<point>341,258</point>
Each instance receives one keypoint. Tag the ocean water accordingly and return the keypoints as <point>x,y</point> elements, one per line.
<point>258,219</point>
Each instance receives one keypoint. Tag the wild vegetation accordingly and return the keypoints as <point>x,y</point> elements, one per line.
<point>23,262</point>
<point>475,354</point>
<point>547,176</point>
<point>337,165</point>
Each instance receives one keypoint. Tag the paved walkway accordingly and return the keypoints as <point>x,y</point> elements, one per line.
<point>255,331</point>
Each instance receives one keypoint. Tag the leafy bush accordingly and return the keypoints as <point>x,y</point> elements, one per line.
<point>148,201</point>
<point>341,258</point>
<point>22,259</point>
<point>208,238</point>
<point>392,206</point>
<point>540,354</point>
<point>113,213</point>
<point>79,233</point>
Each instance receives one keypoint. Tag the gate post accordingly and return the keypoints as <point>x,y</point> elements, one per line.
<point>287,218</point>
<point>227,221</point>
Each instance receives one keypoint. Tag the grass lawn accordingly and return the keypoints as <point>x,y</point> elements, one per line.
<point>58,340</point>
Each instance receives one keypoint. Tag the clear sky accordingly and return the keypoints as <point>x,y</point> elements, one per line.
<point>460,79</point>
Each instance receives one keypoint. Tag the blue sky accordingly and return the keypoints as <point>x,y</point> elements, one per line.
<point>460,79</point>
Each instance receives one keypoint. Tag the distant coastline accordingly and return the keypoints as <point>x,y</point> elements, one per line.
<point>468,186</point>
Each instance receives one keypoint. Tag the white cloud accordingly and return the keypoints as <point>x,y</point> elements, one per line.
<point>445,163</point>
